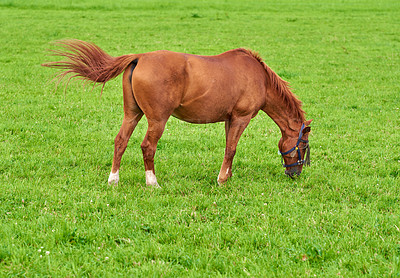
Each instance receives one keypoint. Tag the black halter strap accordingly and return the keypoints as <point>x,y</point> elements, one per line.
<point>300,161</point>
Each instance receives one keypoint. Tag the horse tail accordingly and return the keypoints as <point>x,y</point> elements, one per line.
<point>88,62</point>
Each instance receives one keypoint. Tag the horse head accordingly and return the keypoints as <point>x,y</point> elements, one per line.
<point>295,151</point>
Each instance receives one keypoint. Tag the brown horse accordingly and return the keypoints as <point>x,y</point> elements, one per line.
<point>231,87</point>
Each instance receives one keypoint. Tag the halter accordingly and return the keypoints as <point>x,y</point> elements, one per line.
<point>300,161</point>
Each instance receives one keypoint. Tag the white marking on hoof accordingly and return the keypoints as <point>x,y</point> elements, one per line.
<point>219,179</point>
<point>151,179</point>
<point>113,179</point>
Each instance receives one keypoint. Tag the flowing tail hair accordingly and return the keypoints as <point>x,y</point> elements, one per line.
<point>88,62</point>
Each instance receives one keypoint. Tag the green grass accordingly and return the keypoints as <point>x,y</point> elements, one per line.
<point>59,217</point>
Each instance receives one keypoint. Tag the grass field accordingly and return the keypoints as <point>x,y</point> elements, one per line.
<point>60,218</point>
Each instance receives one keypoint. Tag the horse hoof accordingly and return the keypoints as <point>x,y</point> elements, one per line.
<point>221,181</point>
<point>151,179</point>
<point>113,179</point>
<point>156,185</point>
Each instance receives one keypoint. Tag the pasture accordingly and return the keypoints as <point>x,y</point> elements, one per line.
<point>60,218</point>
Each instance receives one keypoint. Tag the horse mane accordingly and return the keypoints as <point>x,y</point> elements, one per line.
<point>281,87</point>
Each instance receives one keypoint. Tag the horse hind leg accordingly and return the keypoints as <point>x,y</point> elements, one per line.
<point>149,146</point>
<point>120,143</point>
<point>132,115</point>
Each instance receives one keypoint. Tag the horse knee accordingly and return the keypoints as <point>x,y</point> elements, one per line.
<point>144,145</point>
<point>230,152</point>
<point>118,140</point>
<point>147,150</point>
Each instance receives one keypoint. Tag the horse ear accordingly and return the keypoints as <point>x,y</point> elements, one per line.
<point>307,126</point>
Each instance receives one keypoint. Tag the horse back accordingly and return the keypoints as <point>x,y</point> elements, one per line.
<point>199,89</point>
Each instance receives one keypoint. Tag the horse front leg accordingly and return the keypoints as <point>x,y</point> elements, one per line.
<point>121,141</point>
<point>233,130</point>
<point>149,146</point>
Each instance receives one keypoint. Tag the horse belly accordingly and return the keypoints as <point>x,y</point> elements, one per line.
<point>201,112</point>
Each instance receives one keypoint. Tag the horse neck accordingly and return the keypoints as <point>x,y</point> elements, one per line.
<point>281,104</point>
<point>287,115</point>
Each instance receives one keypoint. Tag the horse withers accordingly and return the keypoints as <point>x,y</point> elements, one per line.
<point>230,87</point>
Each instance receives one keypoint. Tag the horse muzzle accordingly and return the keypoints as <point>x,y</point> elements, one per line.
<point>293,172</point>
